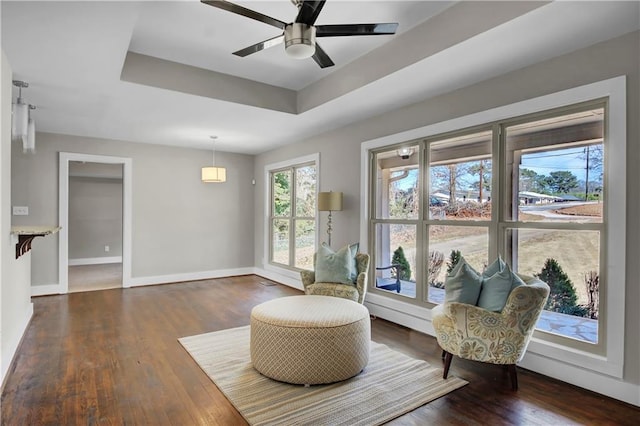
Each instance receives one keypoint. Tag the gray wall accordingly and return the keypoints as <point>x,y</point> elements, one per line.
<point>180,225</point>
<point>15,291</point>
<point>95,217</point>
<point>340,149</point>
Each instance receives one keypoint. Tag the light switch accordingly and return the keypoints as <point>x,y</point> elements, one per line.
<point>20,210</point>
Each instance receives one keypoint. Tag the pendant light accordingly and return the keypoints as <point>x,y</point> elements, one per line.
<point>20,116</point>
<point>214,174</point>
<point>29,147</point>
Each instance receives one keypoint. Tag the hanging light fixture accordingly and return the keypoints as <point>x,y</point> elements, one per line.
<point>214,174</point>
<point>20,116</point>
<point>30,146</point>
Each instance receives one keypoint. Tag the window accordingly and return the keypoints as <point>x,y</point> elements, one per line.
<point>292,215</point>
<point>396,220</point>
<point>541,209</point>
<point>581,130</point>
<point>554,226</point>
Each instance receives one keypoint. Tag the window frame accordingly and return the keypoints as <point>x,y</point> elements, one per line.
<point>610,359</point>
<point>290,271</point>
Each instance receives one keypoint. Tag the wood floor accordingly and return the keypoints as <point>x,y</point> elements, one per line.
<point>95,277</point>
<point>112,357</point>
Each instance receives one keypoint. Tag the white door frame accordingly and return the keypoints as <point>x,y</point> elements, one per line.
<point>63,214</point>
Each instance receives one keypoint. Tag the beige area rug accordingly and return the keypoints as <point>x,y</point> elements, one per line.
<point>391,385</point>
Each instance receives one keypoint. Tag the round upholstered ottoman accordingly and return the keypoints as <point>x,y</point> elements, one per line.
<point>310,339</point>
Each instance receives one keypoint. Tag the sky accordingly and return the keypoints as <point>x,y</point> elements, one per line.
<point>543,163</point>
<point>571,159</point>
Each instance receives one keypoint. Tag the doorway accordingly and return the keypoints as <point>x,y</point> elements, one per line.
<point>95,216</point>
<point>95,226</point>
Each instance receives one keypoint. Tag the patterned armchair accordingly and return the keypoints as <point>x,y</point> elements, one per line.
<point>354,292</point>
<point>473,333</point>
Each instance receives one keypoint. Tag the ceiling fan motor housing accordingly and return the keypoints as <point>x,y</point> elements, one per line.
<point>300,40</point>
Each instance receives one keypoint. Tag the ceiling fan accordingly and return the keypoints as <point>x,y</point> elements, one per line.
<point>299,36</point>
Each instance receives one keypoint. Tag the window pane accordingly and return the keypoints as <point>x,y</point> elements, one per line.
<point>471,241</point>
<point>280,241</point>
<point>305,243</point>
<point>306,191</point>
<point>397,184</point>
<point>460,177</point>
<point>282,193</point>
<point>568,261</point>
<point>559,163</point>
<point>396,245</point>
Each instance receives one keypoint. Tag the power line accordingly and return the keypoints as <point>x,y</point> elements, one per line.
<point>551,155</point>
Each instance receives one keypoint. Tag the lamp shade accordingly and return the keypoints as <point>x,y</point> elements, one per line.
<point>29,145</point>
<point>329,201</point>
<point>19,122</point>
<point>214,174</point>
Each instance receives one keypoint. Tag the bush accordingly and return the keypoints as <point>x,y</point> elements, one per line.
<point>400,259</point>
<point>562,296</point>
<point>436,259</point>
<point>454,258</point>
<point>592,282</point>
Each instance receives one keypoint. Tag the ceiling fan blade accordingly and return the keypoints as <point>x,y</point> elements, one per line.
<point>356,29</point>
<point>239,10</point>
<point>260,46</point>
<point>309,11</point>
<point>322,58</point>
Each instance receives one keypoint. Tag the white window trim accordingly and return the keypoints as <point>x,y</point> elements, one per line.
<point>266,265</point>
<point>614,89</point>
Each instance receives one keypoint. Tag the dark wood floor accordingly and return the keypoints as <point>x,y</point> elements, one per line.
<point>112,357</point>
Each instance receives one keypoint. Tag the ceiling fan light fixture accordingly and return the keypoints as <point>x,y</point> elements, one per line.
<point>300,40</point>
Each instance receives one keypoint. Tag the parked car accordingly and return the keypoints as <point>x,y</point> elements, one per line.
<point>436,202</point>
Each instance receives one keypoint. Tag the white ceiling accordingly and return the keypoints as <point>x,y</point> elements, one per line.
<point>72,55</point>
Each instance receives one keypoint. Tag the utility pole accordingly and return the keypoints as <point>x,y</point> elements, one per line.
<point>481,179</point>
<point>586,181</point>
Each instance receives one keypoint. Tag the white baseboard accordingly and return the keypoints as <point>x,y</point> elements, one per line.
<point>188,276</point>
<point>587,379</point>
<point>9,352</point>
<point>95,260</point>
<point>45,290</point>
<point>287,278</point>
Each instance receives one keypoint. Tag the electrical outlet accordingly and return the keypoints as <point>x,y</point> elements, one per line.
<point>20,210</point>
<point>106,249</point>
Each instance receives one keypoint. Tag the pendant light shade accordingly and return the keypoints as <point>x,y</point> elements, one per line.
<point>20,122</point>
<point>23,128</point>
<point>214,174</point>
<point>30,146</point>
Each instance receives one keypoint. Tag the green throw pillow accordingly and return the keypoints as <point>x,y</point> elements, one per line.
<point>495,267</point>
<point>462,284</point>
<point>334,267</point>
<point>496,288</point>
<point>353,249</point>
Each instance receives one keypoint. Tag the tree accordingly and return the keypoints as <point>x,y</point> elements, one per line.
<point>532,181</point>
<point>561,182</point>
<point>436,259</point>
<point>403,194</point>
<point>562,295</point>
<point>483,169</point>
<point>449,176</point>
<point>282,193</point>
<point>594,157</point>
<point>399,258</point>
<point>592,282</point>
<point>454,258</point>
